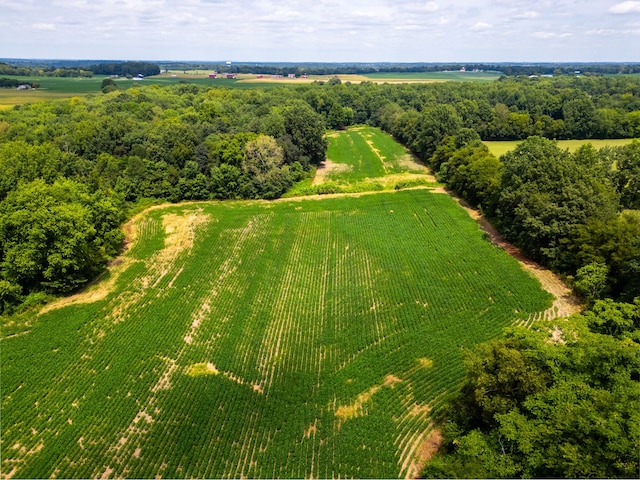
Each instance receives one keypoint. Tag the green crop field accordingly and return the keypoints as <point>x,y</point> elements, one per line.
<point>458,76</point>
<point>52,88</point>
<point>499,148</point>
<point>297,338</point>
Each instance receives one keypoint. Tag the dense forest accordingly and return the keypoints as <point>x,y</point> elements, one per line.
<point>73,170</point>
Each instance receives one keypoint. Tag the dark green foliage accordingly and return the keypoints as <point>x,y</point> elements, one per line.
<point>55,237</point>
<point>108,85</point>
<point>619,320</point>
<point>434,124</point>
<point>614,243</point>
<point>126,68</point>
<point>471,171</point>
<point>579,117</point>
<point>627,174</point>
<point>305,130</point>
<point>558,402</point>
<point>546,192</point>
<point>591,281</point>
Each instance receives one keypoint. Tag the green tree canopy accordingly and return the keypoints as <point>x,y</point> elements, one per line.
<point>546,192</point>
<point>56,237</point>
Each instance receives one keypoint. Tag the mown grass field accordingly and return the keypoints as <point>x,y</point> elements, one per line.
<point>499,148</point>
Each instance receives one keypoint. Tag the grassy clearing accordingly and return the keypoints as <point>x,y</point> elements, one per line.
<point>364,159</point>
<point>366,153</point>
<point>297,338</point>
<point>499,148</point>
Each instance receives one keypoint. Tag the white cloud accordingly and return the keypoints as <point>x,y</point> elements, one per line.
<point>480,26</point>
<point>626,7</point>
<point>528,15</point>
<point>549,35</point>
<point>320,30</point>
<point>43,26</point>
<point>421,7</point>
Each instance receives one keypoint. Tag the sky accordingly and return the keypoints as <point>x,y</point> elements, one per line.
<point>322,30</point>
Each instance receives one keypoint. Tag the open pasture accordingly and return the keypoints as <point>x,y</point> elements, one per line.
<point>499,148</point>
<point>297,338</point>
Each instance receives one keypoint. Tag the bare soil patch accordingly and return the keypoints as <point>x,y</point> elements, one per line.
<point>427,448</point>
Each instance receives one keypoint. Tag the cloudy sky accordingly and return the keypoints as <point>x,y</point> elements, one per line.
<point>322,30</point>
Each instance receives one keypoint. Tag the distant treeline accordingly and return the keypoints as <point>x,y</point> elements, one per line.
<point>65,68</point>
<point>114,68</point>
<point>26,71</point>
<point>127,68</point>
<point>13,83</point>
<point>368,68</point>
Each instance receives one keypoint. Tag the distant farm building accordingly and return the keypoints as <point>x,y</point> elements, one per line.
<point>231,75</point>
<point>291,75</point>
<point>213,75</point>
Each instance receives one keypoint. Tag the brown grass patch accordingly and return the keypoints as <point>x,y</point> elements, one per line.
<point>199,369</point>
<point>425,362</point>
<point>311,430</point>
<point>328,168</point>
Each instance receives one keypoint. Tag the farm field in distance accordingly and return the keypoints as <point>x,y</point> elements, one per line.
<point>499,148</point>
<point>308,337</point>
<point>52,88</point>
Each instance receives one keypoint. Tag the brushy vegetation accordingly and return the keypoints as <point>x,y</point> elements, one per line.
<point>290,339</point>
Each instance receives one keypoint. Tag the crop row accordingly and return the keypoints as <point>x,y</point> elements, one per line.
<point>330,332</point>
